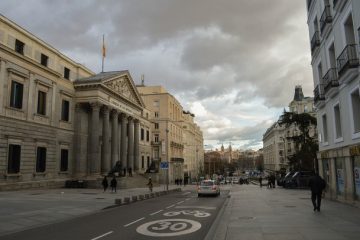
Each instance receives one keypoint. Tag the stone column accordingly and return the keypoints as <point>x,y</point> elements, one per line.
<point>105,162</point>
<point>80,167</point>
<point>123,141</point>
<point>130,162</point>
<point>114,137</point>
<point>136,144</point>
<point>94,139</point>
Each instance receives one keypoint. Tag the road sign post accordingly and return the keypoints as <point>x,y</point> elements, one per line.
<point>165,167</point>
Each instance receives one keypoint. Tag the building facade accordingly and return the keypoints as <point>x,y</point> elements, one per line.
<point>59,120</point>
<point>334,29</point>
<point>277,143</point>
<point>176,138</point>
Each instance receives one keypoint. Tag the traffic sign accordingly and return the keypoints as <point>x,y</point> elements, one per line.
<point>164,165</point>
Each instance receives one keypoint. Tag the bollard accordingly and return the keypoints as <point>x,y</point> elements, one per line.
<point>141,197</point>
<point>134,198</point>
<point>126,200</point>
<point>147,196</point>
<point>152,195</point>
<point>118,201</point>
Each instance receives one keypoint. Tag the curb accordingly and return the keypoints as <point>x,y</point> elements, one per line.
<point>216,231</point>
<point>142,197</point>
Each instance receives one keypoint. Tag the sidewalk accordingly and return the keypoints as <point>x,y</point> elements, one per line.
<point>20,210</point>
<point>283,214</point>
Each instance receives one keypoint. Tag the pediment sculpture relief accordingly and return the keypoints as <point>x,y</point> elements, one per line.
<point>122,87</point>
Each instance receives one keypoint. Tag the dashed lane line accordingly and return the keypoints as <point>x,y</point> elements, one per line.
<point>134,222</point>
<point>187,199</point>
<point>180,202</point>
<point>170,206</point>
<point>156,212</point>
<point>105,234</point>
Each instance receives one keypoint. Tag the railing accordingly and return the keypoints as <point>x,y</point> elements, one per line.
<point>319,93</point>
<point>325,18</point>
<point>348,58</point>
<point>315,41</point>
<point>330,79</point>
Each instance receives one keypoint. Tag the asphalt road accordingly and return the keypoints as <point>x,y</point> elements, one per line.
<point>175,216</point>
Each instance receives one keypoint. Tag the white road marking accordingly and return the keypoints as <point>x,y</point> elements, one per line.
<point>180,202</point>
<point>134,222</point>
<point>201,207</point>
<point>156,212</point>
<point>187,199</point>
<point>186,193</point>
<point>168,227</point>
<point>105,234</point>
<point>170,206</point>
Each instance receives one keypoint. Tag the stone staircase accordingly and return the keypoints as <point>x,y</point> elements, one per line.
<point>136,181</point>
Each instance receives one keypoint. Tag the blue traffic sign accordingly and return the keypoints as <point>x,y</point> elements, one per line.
<point>164,165</point>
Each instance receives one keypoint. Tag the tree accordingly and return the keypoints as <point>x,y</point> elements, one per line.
<point>305,146</point>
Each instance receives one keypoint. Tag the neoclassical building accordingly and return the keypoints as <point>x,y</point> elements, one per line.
<point>59,120</point>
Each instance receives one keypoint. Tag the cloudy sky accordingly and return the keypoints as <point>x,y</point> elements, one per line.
<point>233,63</point>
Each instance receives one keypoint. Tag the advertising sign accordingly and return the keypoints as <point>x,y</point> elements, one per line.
<point>357,180</point>
<point>340,180</point>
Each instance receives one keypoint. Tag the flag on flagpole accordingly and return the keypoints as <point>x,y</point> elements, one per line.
<point>103,48</point>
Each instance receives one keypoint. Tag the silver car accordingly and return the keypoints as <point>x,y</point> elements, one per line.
<point>208,187</point>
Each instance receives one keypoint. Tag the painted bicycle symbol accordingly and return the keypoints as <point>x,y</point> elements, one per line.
<point>195,213</point>
<point>168,227</point>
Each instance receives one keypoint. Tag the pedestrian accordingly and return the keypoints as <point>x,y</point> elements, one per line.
<point>181,181</point>
<point>269,181</point>
<point>130,172</point>
<point>317,185</point>
<point>273,181</point>
<point>124,171</point>
<point>105,183</point>
<point>150,185</point>
<point>260,181</point>
<point>113,184</point>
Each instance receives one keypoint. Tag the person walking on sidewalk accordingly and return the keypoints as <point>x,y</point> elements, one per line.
<point>317,185</point>
<point>150,184</point>
<point>105,183</point>
<point>260,181</point>
<point>113,184</point>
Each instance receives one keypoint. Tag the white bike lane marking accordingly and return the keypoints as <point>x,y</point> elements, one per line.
<point>168,227</point>
<point>151,214</point>
<point>170,206</point>
<point>134,222</point>
<point>179,202</point>
<point>105,234</point>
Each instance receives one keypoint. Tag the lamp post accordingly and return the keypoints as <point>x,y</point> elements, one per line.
<point>167,158</point>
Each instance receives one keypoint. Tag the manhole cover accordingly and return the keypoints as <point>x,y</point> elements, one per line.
<point>290,206</point>
<point>246,218</point>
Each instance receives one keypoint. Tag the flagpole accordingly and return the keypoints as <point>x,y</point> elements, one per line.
<point>103,54</point>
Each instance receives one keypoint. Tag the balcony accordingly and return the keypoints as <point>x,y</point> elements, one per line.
<point>330,80</point>
<point>347,59</point>
<point>325,19</point>
<point>155,143</point>
<point>319,93</point>
<point>315,41</point>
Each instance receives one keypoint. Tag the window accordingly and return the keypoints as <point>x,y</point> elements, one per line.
<point>142,162</point>
<point>320,72</point>
<point>41,107</point>
<point>19,46</point>
<point>65,108</point>
<point>156,138</point>
<point>66,73</point>
<point>16,97</point>
<point>332,56</point>
<point>156,125</point>
<point>349,30</point>
<point>156,114</point>
<point>44,60</point>
<point>148,162</point>
<point>142,133</point>
<point>355,104</point>
<point>147,136</point>
<point>337,119</point>
<point>156,153</point>
<point>14,158</point>
<point>41,159</point>
<point>325,129</point>
<point>64,160</point>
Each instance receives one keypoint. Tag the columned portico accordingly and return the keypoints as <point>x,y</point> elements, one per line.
<point>105,163</point>
<point>94,139</point>
<point>123,141</point>
<point>114,137</point>
<point>136,144</point>
<point>130,159</point>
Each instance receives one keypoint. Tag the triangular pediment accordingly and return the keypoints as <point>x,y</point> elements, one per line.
<point>125,87</point>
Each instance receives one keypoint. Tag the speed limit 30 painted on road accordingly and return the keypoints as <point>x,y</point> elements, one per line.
<point>168,227</point>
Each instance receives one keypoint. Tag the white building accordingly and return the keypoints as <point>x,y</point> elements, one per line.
<point>334,28</point>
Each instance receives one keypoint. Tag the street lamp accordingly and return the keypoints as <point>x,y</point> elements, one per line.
<point>167,158</point>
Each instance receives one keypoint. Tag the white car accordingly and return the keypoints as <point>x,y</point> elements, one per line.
<point>208,187</point>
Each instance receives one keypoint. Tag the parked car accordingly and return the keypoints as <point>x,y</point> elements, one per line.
<point>208,187</point>
<point>281,180</point>
<point>299,179</point>
<point>235,181</point>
